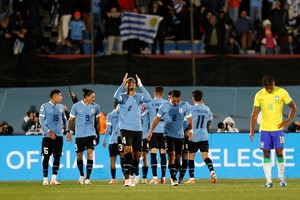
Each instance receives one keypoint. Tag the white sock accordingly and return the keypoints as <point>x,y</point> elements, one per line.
<point>280,169</point>
<point>267,170</point>
<point>53,177</point>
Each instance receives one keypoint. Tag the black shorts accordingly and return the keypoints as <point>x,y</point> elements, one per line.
<point>157,141</point>
<point>132,138</point>
<point>50,146</point>
<point>145,145</point>
<point>195,146</point>
<point>82,144</point>
<point>174,144</point>
<point>120,145</point>
<point>186,145</point>
<point>113,150</point>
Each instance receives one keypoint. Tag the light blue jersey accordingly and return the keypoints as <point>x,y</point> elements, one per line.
<point>145,123</point>
<point>85,118</point>
<point>153,107</point>
<point>52,117</point>
<point>174,118</point>
<point>131,108</point>
<point>112,128</point>
<point>201,115</point>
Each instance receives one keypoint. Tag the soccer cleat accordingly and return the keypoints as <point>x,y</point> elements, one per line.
<point>132,182</point>
<point>268,185</point>
<point>137,179</point>
<point>282,182</point>
<point>191,181</point>
<point>213,177</point>
<point>127,183</point>
<point>113,181</point>
<point>55,182</point>
<point>163,180</point>
<point>174,182</point>
<point>154,180</point>
<point>87,182</point>
<point>81,179</point>
<point>45,181</point>
<point>180,180</point>
<point>144,181</point>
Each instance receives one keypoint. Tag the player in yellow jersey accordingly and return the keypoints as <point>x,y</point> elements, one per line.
<point>270,100</point>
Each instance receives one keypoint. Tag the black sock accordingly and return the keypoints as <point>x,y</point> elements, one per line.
<point>55,166</point>
<point>153,164</point>
<point>172,169</point>
<point>183,168</point>
<point>135,167</point>
<point>191,168</point>
<point>45,166</point>
<point>80,167</point>
<point>127,165</point>
<point>113,173</point>
<point>89,167</point>
<point>209,164</point>
<point>145,171</point>
<point>163,164</point>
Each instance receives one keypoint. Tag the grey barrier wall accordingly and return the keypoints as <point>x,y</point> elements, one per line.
<point>223,101</point>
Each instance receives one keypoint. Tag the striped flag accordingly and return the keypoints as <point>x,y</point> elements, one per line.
<point>141,26</point>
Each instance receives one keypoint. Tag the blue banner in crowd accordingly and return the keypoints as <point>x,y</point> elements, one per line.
<point>233,155</point>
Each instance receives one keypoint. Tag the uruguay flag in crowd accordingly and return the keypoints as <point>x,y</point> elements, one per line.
<point>140,26</point>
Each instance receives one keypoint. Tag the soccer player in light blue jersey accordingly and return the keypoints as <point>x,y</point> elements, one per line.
<point>130,124</point>
<point>115,144</point>
<point>201,119</point>
<point>174,112</point>
<point>85,114</point>
<point>158,138</point>
<point>53,120</point>
<point>145,149</point>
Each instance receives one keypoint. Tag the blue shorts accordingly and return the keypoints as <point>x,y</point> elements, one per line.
<point>271,140</point>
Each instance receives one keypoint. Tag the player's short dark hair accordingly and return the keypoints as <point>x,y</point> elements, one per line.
<point>176,93</point>
<point>87,92</point>
<point>268,80</point>
<point>197,95</point>
<point>170,93</point>
<point>158,89</point>
<point>53,92</point>
<point>130,79</point>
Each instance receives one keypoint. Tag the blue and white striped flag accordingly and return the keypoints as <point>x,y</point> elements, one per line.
<point>141,26</point>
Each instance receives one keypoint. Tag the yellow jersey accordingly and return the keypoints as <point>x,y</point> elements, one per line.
<point>271,105</point>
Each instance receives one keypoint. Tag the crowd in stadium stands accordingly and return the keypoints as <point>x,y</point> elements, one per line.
<point>223,26</point>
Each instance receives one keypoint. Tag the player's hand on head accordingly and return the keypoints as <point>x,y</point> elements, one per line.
<point>125,78</point>
<point>139,82</point>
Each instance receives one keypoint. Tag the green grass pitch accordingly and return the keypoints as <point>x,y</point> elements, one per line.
<point>225,189</point>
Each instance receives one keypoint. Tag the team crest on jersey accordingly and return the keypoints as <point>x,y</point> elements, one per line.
<point>277,98</point>
<point>93,110</point>
<point>180,110</point>
<point>60,109</point>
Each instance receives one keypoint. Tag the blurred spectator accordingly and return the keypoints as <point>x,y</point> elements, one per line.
<point>5,128</point>
<point>293,12</point>
<point>269,42</point>
<point>255,10</point>
<point>31,124</point>
<point>244,28</point>
<point>291,47</point>
<point>6,42</point>
<point>228,125</point>
<point>98,13</point>
<point>66,47</point>
<point>113,22</point>
<point>76,31</point>
<point>65,11</point>
<point>233,9</point>
<point>126,5</point>
<point>276,16</point>
<point>214,41</point>
<point>231,46</point>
